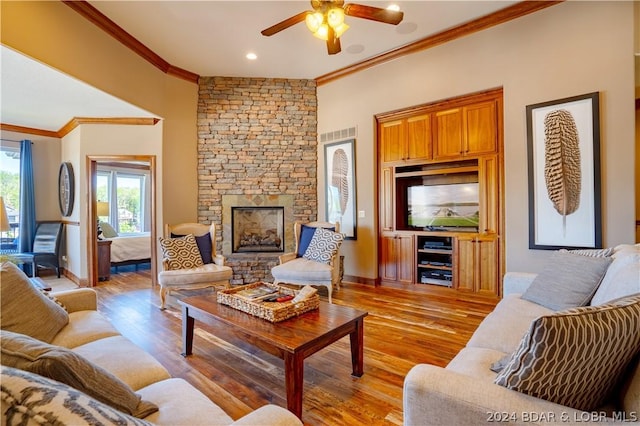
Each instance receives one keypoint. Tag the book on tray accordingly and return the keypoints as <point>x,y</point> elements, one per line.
<point>257,293</point>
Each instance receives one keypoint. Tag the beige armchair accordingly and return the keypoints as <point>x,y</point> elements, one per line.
<point>190,261</point>
<point>312,263</point>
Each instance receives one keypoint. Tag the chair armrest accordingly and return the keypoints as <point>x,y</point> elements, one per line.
<point>81,299</point>
<point>218,259</point>
<point>284,258</point>
<point>516,282</point>
<point>269,415</point>
<point>437,396</point>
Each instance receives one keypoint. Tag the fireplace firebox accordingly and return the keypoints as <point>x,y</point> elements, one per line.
<point>257,229</point>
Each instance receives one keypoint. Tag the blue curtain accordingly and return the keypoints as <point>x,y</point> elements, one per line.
<point>27,198</point>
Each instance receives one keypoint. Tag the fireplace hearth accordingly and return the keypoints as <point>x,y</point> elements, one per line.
<point>257,229</point>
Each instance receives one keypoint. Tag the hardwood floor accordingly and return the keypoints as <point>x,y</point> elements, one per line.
<point>405,326</point>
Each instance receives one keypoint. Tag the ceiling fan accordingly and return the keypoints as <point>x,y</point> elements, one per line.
<point>326,20</point>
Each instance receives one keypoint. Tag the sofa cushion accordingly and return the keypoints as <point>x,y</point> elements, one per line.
<point>323,246</point>
<point>301,268</point>
<point>25,309</point>
<point>28,398</point>
<point>65,366</point>
<point>182,404</point>
<point>208,273</point>
<point>576,357</point>
<point>140,368</point>
<point>181,253</point>
<point>84,327</point>
<point>569,280</point>
<point>204,246</point>
<point>622,279</point>
<point>476,362</point>
<point>504,327</point>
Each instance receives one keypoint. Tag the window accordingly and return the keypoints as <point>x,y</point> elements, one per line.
<point>128,191</point>
<point>10,192</point>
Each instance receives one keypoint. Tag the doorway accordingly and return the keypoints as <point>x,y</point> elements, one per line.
<point>126,161</point>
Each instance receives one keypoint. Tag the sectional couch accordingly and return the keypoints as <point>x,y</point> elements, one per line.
<point>506,372</point>
<point>65,363</point>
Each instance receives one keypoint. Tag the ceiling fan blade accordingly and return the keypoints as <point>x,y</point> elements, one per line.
<point>285,24</point>
<point>373,13</point>
<point>333,43</point>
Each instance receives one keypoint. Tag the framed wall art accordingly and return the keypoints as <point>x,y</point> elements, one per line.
<point>340,199</point>
<point>563,141</point>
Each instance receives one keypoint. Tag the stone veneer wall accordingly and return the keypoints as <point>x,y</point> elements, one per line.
<point>256,137</point>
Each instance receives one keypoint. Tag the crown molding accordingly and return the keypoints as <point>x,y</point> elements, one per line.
<point>28,130</point>
<point>99,19</point>
<point>499,17</point>
<point>76,121</point>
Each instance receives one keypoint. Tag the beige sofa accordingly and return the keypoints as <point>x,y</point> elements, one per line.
<point>90,335</point>
<point>465,393</point>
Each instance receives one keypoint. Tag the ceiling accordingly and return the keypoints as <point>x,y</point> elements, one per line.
<point>211,38</point>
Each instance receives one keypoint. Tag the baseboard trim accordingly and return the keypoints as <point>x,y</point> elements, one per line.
<point>360,280</point>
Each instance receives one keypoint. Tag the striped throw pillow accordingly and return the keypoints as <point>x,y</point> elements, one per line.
<point>181,253</point>
<point>576,357</point>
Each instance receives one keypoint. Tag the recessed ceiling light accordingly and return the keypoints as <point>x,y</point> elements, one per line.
<point>393,7</point>
<point>251,56</point>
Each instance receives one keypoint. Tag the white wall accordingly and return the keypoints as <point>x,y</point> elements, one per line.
<point>104,139</point>
<point>565,50</point>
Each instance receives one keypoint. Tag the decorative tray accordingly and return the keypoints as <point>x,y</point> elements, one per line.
<point>250,299</point>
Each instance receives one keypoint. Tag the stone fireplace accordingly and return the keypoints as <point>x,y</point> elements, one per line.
<point>257,229</point>
<point>251,228</point>
<point>257,147</point>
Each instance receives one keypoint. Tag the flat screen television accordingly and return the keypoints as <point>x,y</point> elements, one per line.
<point>443,207</point>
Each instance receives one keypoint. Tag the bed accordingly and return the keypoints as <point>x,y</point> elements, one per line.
<point>130,249</point>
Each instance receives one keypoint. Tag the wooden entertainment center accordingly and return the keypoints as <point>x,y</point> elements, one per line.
<point>440,171</point>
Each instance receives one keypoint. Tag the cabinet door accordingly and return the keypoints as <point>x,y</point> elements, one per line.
<point>480,123</point>
<point>419,145</point>
<point>393,141</point>
<point>448,134</point>
<point>386,199</point>
<point>406,262</point>
<point>388,258</point>
<point>465,264</point>
<point>477,264</point>
<point>489,194</point>
<point>487,265</point>
<point>397,258</point>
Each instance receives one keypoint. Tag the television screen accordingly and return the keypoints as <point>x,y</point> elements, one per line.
<point>443,207</point>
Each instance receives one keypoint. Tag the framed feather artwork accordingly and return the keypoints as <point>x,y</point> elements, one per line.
<point>340,196</point>
<point>563,141</point>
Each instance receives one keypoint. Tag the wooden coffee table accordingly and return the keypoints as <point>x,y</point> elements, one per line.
<point>292,340</point>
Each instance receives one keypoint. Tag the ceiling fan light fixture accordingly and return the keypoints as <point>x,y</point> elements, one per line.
<point>339,30</point>
<point>335,17</point>
<point>314,21</point>
<point>323,32</point>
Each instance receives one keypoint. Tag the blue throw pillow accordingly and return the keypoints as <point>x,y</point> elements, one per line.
<point>306,234</point>
<point>204,246</point>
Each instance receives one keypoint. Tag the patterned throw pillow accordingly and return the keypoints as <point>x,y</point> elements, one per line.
<point>323,245</point>
<point>204,246</point>
<point>28,398</point>
<point>576,357</point>
<point>181,253</point>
